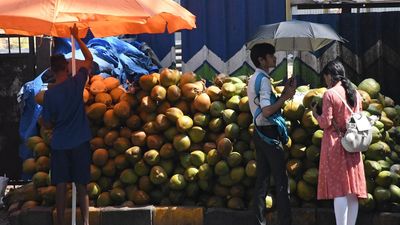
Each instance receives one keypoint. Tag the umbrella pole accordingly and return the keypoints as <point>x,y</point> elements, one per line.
<point>73,216</point>
<point>290,64</point>
<point>73,56</point>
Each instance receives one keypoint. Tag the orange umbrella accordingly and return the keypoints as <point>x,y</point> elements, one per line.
<point>103,17</point>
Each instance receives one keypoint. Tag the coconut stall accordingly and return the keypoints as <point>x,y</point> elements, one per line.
<point>178,143</point>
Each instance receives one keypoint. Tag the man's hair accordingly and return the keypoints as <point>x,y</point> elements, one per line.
<point>58,63</point>
<point>260,50</point>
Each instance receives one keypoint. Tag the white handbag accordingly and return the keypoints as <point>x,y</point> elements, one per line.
<point>358,134</point>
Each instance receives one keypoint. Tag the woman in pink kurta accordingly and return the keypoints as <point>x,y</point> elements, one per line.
<point>341,174</point>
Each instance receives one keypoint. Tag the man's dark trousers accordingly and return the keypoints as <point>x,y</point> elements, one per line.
<point>271,161</point>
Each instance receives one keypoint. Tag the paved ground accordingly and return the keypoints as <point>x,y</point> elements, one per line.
<point>3,217</point>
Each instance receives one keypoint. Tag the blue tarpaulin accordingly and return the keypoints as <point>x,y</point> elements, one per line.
<point>115,57</point>
<point>30,113</point>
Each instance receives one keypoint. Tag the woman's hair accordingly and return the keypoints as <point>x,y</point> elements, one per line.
<point>260,50</point>
<point>336,69</point>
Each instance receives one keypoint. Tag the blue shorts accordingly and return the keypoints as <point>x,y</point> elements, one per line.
<point>71,165</point>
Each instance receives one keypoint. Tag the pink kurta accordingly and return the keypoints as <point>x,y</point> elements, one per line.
<point>340,172</point>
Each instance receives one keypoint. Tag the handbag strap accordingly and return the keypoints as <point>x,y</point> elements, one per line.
<point>345,103</point>
<point>347,106</point>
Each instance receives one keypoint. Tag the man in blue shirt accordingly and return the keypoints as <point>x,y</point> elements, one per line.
<point>270,156</point>
<point>64,112</point>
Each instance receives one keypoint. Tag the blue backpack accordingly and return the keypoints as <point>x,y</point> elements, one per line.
<point>275,118</point>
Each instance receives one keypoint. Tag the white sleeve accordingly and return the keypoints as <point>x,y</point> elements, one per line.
<point>265,92</point>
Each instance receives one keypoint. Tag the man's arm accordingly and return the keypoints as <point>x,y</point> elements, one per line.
<point>79,64</point>
<point>45,124</point>
<point>87,63</point>
<point>288,92</point>
<point>271,109</point>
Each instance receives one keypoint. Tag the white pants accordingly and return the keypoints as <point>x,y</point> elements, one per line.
<point>346,209</point>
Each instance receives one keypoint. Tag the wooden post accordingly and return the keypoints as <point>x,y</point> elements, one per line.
<point>288,10</point>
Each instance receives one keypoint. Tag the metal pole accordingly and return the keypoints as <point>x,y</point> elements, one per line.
<point>289,61</point>
<point>73,56</point>
<point>73,217</point>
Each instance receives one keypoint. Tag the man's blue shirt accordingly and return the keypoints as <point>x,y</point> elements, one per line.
<point>64,107</point>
